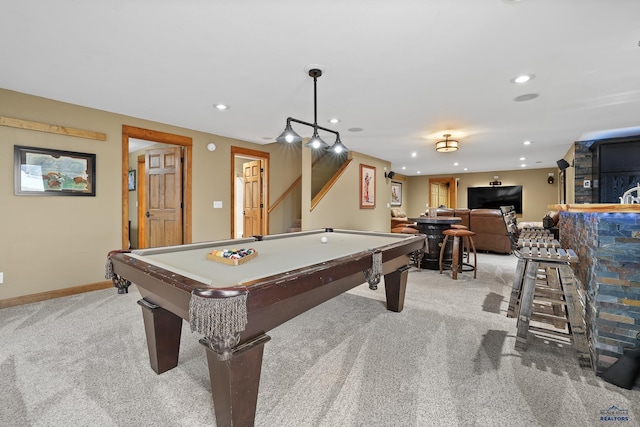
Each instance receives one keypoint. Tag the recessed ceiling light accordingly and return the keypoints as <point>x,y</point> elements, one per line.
<point>522,78</point>
<point>221,107</point>
<point>355,129</point>
<point>334,120</point>
<point>456,164</point>
<point>465,169</point>
<point>414,154</point>
<point>522,159</point>
<point>523,165</point>
<point>526,97</point>
<point>528,142</point>
<point>404,168</point>
<point>418,172</point>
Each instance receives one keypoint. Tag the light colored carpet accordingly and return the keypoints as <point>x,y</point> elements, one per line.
<point>447,360</point>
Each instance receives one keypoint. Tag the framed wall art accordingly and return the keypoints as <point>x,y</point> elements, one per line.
<point>367,187</point>
<point>47,172</point>
<point>131,180</point>
<point>396,193</point>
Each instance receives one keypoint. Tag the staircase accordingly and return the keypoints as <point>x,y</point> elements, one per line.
<point>297,226</point>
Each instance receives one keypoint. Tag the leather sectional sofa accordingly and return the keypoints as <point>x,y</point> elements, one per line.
<point>489,226</point>
<point>400,223</point>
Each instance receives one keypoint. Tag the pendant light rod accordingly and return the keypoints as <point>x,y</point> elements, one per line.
<point>291,119</point>
<point>315,73</point>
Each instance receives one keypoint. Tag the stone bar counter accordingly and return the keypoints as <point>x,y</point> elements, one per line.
<point>606,238</point>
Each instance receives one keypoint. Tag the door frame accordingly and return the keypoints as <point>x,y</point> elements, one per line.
<point>142,202</point>
<point>164,138</point>
<point>453,190</point>
<point>254,155</point>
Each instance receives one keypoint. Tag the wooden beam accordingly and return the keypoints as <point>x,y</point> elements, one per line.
<point>43,127</point>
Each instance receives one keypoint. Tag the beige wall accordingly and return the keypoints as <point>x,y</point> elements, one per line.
<point>340,208</point>
<point>537,194</point>
<point>50,243</point>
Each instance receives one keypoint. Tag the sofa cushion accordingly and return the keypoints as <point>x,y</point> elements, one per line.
<point>398,213</point>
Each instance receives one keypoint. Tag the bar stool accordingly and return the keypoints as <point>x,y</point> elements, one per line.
<point>467,241</point>
<point>557,287</point>
<point>544,274</point>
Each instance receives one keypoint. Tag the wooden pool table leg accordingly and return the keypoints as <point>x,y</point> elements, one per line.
<point>395,286</point>
<point>163,330</point>
<point>234,382</point>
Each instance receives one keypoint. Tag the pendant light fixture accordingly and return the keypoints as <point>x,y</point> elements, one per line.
<point>316,143</point>
<point>446,145</point>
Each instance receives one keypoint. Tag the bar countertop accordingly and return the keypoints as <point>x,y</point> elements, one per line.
<point>596,207</point>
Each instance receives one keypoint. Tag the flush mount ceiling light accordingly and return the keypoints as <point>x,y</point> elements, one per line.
<point>290,136</point>
<point>446,145</point>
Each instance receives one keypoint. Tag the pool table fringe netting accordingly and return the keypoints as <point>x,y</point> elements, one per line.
<point>220,320</point>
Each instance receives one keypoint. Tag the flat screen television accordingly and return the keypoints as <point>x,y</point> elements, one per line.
<point>494,197</point>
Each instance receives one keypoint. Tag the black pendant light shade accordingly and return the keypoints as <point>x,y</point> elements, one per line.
<point>289,135</point>
<point>316,142</point>
<point>338,147</point>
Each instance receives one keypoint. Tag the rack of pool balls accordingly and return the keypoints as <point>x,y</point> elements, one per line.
<point>232,256</point>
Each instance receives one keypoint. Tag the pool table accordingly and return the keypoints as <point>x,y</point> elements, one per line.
<point>234,306</point>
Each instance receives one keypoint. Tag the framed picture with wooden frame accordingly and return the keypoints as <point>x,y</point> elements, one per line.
<point>396,193</point>
<point>367,187</point>
<point>47,172</point>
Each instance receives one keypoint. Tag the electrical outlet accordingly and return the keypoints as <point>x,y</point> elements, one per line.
<point>1,277</point>
<point>587,183</point>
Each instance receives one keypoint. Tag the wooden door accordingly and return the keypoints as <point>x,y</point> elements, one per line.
<point>252,205</point>
<point>163,197</point>
<point>439,195</point>
<point>444,195</point>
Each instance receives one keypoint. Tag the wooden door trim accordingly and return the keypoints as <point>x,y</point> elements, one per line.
<point>142,206</point>
<point>453,189</point>
<point>165,138</point>
<point>256,155</point>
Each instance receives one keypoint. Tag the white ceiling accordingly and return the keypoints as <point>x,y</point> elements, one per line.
<point>404,71</point>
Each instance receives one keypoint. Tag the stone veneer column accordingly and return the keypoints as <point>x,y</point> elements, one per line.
<point>583,165</point>
<point>608,273</point>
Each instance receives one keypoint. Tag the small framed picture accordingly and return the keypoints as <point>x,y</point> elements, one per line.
<point>396,193</point>
<point>132,180</point>
<point>367,187</point>
<point>47,172</point>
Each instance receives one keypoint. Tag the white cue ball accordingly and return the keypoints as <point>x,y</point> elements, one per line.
<point>323,240</point>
